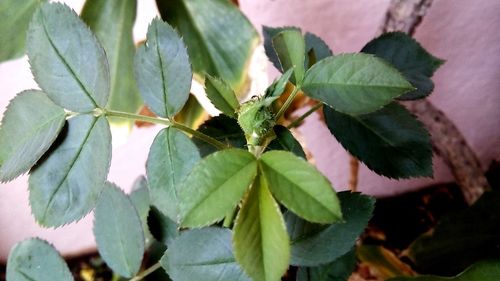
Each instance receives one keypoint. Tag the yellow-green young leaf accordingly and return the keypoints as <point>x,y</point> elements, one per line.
<point>35,259</point>
<point>203,254</point>
<point>162,70</point>
<point>354,83</point>
<point>219,37</point>
<point>260,241</point>
<point>290,48</point>
<point>221,95</point>
<point>171,158</point>
<point>215,186</point>
<point>118,231</point>
<point>268,33</point>
<point>66,59</point>
<point>112,22</point>
<point>15,16</point>
<point>277,88</point>
<point>65,186</point>
<point>300,187</point>
<point>480,271</point>
<point>30,125</point>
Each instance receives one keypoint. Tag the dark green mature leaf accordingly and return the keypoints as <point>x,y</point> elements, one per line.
<point>112,21</point>
<point>354,83</point>
<point>65,186</point>
<point>316,49</point>
<point>30,125</point>
<point>15,17</point>
<point>203,254</point>
<point>290,48</point>
<point>260,241</point>
<point>118,231</point>
<point>461,239</point>
<point>408,56</point>
<point>317,247</point>
<point>481,271</point>
<point>268,34</point>
<point>277,88</point>
<point>215,186</point>
<point>221,95</point>
<point>300,187</point>
<point>163,229</point>
<point>66,59</point>
<point>171,158</point>
<point>390,141</point>
<point>339,270</point>
<point>219,37</point>
<point>35,259</point>
<point>223,129</point>
<point>286,141</point>
<point>162,70</point>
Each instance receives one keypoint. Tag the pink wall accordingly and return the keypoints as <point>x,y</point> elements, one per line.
<point>467,89</point>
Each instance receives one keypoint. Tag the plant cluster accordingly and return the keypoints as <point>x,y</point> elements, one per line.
<point>236,197</point>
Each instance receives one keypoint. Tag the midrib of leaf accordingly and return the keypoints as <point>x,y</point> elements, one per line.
<point>291,183</point>
<point>69,170</point>
<point>200,35</point>
<point>216,262</point>
<point>172,175</point>
<point>164,86</point>
<point>317,85</point>
<point>120,238</point>
<point>68,67</point>
<point>225,181</point>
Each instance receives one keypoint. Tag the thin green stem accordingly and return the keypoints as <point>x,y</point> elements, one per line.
<point>146,272</point>
<point>287,104</point>
<point>166,122</point>
<point>299,120</point>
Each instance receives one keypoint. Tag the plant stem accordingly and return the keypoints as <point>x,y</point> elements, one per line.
<point>287,104</point>
<point>299,120</point>
<point>146,272</point>
<point>167,122</point>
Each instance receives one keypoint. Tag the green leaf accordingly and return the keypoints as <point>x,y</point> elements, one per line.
<point>30,125</point>
<point>35,259</point>
<point>15,17</point>
<point>317,247</point>
<point>223,129</point>
<point>118,231</point>
<point>277,88</point>
<point>112,21</point>
<point>171,158</point>
<point>215,186</point>
<point>203,254</point>
<point>390,141</point>
<point>192,114</point>
<point>290,48</point>
<point>408,56</point>
<point>221,95</point>
<point>140,198</point>
<point>65,186</point>
<point>286,141</point>
<point>316,49</point>
<point>300,187</point>
<point>219,37</point>
<point>268,34</point>
<point>481,271</point>
<point>339,270</point>
<point>66,59</point>
<point>163,229</point>
<point>260,241</point>
<point>354,83</point>
<point>162,70</point>
<point>460,238</point>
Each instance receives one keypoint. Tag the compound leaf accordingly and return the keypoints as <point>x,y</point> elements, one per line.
<point>118,231</point>
<point>30,125</point>
<point>66,59</point>
<point>65,186</point>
